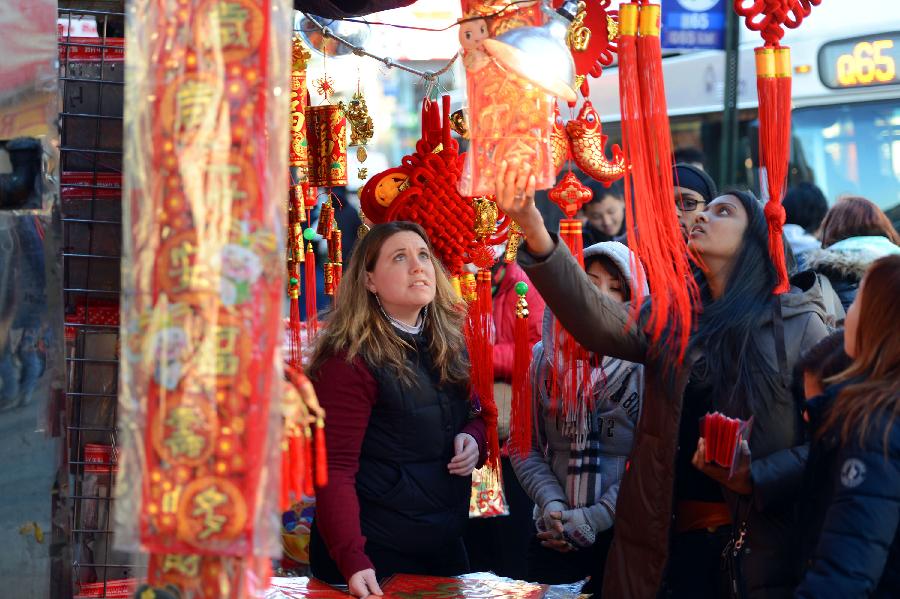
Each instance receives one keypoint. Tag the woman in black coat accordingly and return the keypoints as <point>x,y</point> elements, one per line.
<point>852,490</point>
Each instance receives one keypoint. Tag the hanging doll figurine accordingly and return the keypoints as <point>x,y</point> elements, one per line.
<point>471,37</point>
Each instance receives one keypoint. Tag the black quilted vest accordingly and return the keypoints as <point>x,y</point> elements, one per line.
<point>408,500</point>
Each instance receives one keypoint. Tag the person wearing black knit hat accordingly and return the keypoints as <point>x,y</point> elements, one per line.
<point>694,189</point>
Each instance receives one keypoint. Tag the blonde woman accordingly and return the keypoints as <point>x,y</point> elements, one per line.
<point>391,370</point>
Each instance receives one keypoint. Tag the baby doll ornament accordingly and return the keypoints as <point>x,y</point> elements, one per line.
<point>472,34</point>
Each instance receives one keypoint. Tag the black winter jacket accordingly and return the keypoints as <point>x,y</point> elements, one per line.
<point>851,501</point>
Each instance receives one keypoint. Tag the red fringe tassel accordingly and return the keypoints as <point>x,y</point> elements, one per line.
<point>295,355</point>
<point>312,316</point>
<point>568,372</point>
<point>653,231</point>
<point>321,454</point>
<point>521,418</point>
<point>479,333</point>
<point>308,475</point>
<point>773,86</point>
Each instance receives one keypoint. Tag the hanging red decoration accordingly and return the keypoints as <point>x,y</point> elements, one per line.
<point>652,225</point>
<point>592,40</point>
<point>587,143</point>
<point>326,129</point>
<point>520,429</point>
<point>773,86</point>
<point>570,195</point>
<point>312,315</point>
<point>301,411</point>
<point>424,190</point>
<point>559,141</point>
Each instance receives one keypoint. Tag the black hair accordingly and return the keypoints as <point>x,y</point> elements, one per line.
<point>617,189</point>
<point>725,327</point>
<point>689,154</point>
<point>823,360</point>
<point>610,266</point>
<point>805,205</point>
<point>826,358</point>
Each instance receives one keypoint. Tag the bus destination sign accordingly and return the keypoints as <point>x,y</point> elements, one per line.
<point>860,62</point>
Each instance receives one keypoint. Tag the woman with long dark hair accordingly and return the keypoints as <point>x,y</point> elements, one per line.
<point>390,368</point>
<point>738,361</point>
<point>852,491</point>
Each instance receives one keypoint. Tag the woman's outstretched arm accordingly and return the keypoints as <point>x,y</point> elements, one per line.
<point>596,321</point>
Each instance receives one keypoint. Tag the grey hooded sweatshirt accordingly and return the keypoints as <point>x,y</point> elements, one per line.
<point>576,467</point>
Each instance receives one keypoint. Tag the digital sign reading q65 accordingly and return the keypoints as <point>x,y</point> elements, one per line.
<point>860,62</point>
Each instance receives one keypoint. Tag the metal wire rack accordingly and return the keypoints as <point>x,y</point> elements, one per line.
<point>91,57</point>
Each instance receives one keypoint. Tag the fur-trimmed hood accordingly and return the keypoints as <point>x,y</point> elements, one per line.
<point>849,259</point>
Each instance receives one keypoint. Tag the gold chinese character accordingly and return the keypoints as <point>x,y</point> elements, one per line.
<point>223,184</point>
<point>226,361</point>
<point>187,274</point>
<point>189,565</point>
<point>181,266</point>
<point>184,439</point>
<point>233,25</point>
<point>194,99</point>
<point>205,505</point>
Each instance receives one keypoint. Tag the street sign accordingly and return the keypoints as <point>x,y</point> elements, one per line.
<point>693,24</point>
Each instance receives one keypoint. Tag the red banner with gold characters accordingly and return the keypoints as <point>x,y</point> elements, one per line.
<point>203,278</point>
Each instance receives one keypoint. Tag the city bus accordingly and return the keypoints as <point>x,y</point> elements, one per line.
<point>846,102</point>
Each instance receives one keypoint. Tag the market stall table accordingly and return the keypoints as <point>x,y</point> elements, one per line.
<point>482,585</point>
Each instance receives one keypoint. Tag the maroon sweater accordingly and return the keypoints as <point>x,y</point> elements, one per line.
<point>348,392</point>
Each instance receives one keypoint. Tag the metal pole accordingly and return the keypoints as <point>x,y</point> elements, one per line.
<point>728,156</point>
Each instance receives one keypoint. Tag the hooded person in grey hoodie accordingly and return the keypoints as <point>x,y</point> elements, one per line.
<point>575,464</point>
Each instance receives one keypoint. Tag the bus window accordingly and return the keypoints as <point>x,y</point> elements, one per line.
<point>853,149</point>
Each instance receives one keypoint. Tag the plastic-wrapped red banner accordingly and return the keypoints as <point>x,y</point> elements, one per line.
<point>203,275</point>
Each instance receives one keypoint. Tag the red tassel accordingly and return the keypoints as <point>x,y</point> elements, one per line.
<point>295,447</point>
<point>285,480</point>
<point>773,86</point>
<point>308,480</point>
<point>479,330</point>
<point>570,232</point>
<point>321,454</point>
<point>653,231</point>
<point>521,417</point>
<point>312,317</point>
<point>567,352</point>
<point>295,350</point>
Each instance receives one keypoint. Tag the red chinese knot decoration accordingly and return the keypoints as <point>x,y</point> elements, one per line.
<point>773,85</point>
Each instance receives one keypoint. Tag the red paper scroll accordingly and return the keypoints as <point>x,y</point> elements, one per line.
<point>203,271</point>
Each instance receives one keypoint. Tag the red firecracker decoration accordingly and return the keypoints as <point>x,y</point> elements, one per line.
<point>773,86</point>
<point>652,225</point>
<point>520,428</point>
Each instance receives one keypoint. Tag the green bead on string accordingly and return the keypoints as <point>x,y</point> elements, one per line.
<point>521,288</point>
